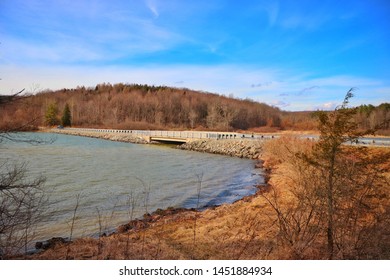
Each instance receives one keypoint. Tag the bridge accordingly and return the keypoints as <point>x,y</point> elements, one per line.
<point>180,137</point>
<point>166,136</point>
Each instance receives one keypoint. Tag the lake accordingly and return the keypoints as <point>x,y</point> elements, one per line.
<point>106,175</point>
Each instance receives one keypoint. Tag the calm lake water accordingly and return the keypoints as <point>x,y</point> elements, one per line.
<point>105,174</point>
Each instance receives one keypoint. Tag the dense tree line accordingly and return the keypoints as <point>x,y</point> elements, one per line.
<point>142,106</point>
<point>135,106</point>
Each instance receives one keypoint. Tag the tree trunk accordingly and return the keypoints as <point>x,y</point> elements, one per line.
<point>330,207</point>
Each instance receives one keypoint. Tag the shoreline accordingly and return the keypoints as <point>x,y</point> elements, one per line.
<point>149,222</point>
<point>243,149</point>
<point>148,227</point>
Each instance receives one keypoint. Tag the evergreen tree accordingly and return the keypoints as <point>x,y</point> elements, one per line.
<point>336,128</point>
<point>351,178</point>
<point>66,119</point>
<point>51,115</point>
<point>335,193</point>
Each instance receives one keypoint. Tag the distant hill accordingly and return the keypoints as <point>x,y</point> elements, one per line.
<point>135,106</point>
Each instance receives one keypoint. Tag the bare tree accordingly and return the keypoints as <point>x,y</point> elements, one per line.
<point>72,223</point>
<point>22,201</point>
<point>131,203</point>
<point>21,205</point>
<point>199,178</point>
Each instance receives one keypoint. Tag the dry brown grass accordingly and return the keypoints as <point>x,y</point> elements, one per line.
<point>234,231</point>
<point>363,201</point>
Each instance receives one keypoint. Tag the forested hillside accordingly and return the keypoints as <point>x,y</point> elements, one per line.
<point>133,106</point>
<point>143,107</point>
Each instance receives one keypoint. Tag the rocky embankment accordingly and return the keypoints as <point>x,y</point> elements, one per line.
<point>130,138</point>
<point>244,148</point>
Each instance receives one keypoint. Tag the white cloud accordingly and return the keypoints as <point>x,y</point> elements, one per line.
<point>328,106</point>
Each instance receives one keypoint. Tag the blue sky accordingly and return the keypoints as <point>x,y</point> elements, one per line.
<point>297,55</point>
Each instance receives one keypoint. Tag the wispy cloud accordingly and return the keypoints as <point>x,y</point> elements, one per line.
<point>307,90</point>
<point>272,10</point>
<point>261,85</point>
<point>60,50</point>
<point>280,104</point>
<point>346,81</point>
<point>153,8</point>
<point>99,33</point>
<point>305,21</point>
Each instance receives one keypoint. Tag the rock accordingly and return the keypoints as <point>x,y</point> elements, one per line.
<point>50,243</point>
<point>259,164</point>
<point>134,224</point>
